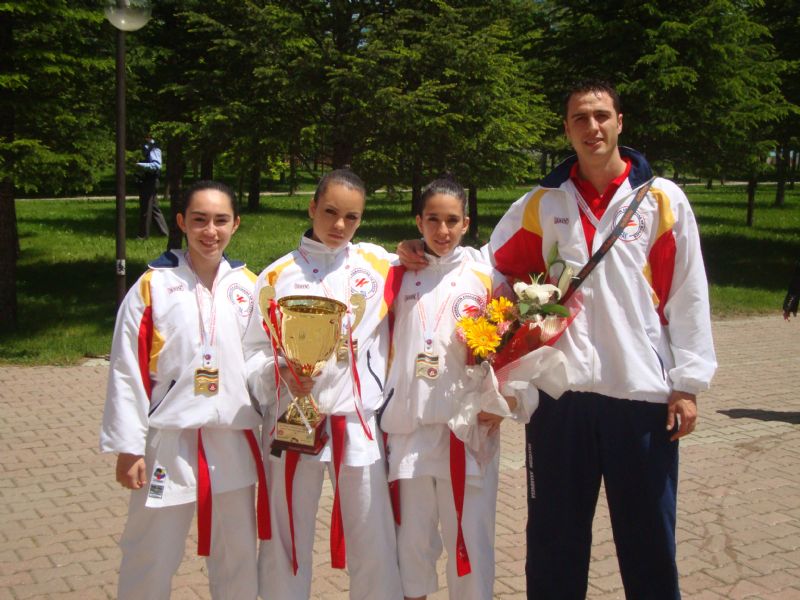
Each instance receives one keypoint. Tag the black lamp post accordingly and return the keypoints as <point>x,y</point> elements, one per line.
<point>125,15</point>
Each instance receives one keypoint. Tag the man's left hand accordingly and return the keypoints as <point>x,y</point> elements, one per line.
<point>683,406</point>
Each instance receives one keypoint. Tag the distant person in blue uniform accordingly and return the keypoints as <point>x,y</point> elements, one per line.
<point>149,171</point>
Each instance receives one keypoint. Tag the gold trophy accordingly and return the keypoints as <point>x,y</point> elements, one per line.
<point>310,333</point>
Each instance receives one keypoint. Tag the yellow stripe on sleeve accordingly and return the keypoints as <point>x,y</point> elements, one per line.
<point>530,218</point>
<point>485,279</point>
<point>144,288</point>
<point>273,275</point>
<point>378,264</point>
<point>666,220</point>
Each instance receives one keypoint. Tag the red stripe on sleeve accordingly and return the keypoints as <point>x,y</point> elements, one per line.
<point>394,278</point>
<point>145,345</point>
<point>662,268</point>
<point>521,256</point>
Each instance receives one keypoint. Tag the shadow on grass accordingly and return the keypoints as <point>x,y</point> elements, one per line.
<point>762,415</point>
<point>95,223</point>
<point>747,262</point>
<point>53,298</point>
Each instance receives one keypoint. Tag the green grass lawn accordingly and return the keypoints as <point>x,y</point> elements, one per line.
<point>66,281</point>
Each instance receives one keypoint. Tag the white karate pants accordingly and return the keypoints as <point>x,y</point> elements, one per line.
<point>154,540</point>
<point>427,502</point>
<point>368,527</point>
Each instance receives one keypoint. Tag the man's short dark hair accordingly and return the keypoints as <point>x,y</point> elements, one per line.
<point>593,86</point>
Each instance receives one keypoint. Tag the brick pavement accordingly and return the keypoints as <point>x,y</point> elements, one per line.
<point>739,503</point>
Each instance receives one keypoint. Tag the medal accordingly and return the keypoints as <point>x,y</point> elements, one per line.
<point>206,378</point>
<point>206,381</point>
<point>427,365</point>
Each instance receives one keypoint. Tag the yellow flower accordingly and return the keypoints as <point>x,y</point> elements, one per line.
<point>499,310</point>
<point>482,337</point>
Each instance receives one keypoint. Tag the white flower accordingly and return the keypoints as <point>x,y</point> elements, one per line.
<point>537,293</point>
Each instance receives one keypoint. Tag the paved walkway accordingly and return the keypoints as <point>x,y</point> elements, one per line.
<point>739,508</point>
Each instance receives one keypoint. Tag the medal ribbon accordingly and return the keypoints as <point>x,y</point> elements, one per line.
<point>354,369</point>
<point>458,476</point>
<point>439,314</point>
<point>206,341</point>
<point>356,383</point>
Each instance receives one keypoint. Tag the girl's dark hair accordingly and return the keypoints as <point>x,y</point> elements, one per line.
<point>343,177</point>
<point>446,184</point>
<point>207,184</point>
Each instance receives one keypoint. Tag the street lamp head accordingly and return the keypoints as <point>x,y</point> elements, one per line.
<point>128,15</point>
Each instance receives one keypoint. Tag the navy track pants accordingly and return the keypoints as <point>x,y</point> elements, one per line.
<point>573,443</point>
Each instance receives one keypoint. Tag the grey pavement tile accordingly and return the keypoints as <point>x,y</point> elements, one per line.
<point>738,527</point>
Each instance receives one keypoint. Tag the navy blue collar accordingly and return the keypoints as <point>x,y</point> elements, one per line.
<point>640,169</point>
<point>169,260</point>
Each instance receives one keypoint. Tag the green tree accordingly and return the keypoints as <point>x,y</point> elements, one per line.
<point>696,77</point>
<point>782,18</point>
<point>54,71</point>
<point>450,95</point>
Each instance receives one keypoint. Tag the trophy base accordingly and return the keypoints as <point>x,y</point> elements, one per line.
<point>292,436</point>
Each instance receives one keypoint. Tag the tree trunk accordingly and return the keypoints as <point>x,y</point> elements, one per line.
<point>794,157</point>
<point>709,183</point>
<point>751,199</point>
<point>254,189</point>
<point>175,167</point>
<point>780,163</point>
<point>292,173</point>
<point>416,187</point>
<point>8,256</point>
<point>543,163</point>
<point>472,211</point>
<point>342,154</point>
<point>9,239</point>
<point>207,166</point>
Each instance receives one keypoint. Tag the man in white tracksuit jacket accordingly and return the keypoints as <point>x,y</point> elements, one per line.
<point>640,351</point>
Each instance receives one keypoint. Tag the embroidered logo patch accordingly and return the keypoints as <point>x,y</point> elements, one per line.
<point>241,298</point>
<point>633,229</point>
<point>160,473</point>
<point>561,220</point>
<point>468,305</point>
<point>363,282</point>
<point>176,288</point>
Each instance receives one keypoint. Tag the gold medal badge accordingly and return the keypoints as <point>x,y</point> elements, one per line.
<point>427,365</point>
<point>206,381</point>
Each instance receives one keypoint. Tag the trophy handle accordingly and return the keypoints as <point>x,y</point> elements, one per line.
<point>266,294</point>
<point>358,303</point>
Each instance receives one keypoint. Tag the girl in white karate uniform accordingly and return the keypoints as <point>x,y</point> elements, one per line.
<point>178,411</point>
<point>349,390</point>
<point>442,482</point>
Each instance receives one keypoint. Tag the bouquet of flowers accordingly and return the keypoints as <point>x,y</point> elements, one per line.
<point>510,353</point>
<point>506,331</point>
